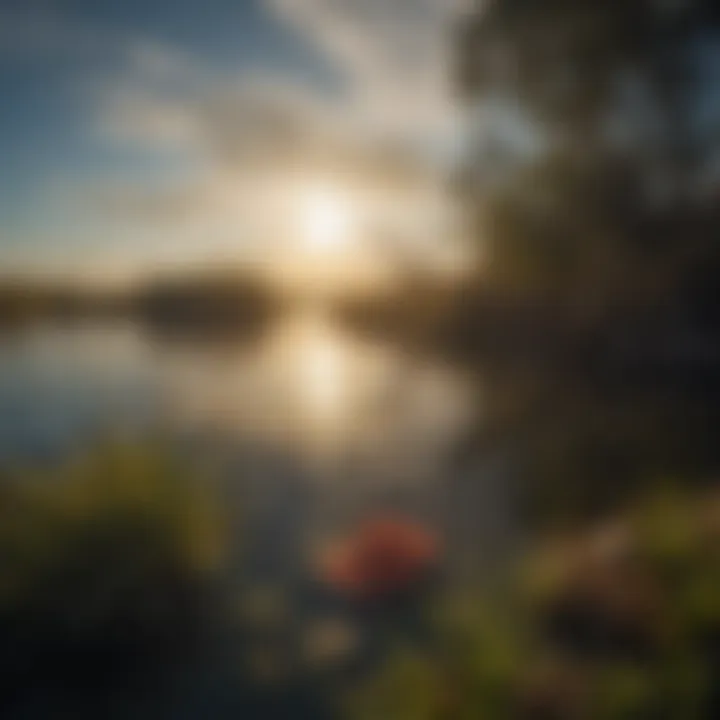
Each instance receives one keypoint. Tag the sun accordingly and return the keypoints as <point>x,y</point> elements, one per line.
<point>327,221</point>
<point>326,240</point>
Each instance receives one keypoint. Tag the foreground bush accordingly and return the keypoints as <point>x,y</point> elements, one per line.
<point>618,621</point>
<point>106,568</point>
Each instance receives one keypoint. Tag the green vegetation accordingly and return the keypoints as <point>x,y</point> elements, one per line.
<point>595,323</point>
<point>619,621</point>
<point>203,306</point>
<point>200,302</point>
<point>24,301</point>
<point>596,205</point>
<point>106,571</point>
<point>607,227</point>
<point>110,576</point>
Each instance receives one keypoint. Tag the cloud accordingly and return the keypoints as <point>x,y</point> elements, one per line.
<point>394,55</point>
<point>253,136</point>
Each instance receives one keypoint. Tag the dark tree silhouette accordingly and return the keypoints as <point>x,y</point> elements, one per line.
<point>612,203</point>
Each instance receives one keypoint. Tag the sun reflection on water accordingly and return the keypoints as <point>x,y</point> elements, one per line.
<point>315,391</point>
<point>322,378</point>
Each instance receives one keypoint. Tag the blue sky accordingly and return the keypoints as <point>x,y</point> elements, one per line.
<point>159,104</point>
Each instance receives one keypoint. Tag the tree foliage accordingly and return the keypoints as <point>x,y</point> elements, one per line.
<point>615,207</point>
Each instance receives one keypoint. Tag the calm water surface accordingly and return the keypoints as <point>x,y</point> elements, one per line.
<point>316,427</point>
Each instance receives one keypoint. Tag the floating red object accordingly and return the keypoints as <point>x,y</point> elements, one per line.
<point>383,558</point>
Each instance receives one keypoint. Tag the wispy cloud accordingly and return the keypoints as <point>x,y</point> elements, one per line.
<point>248,135</point>
<point>394,55</point>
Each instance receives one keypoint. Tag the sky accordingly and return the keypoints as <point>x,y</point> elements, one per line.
<point>148,132</point>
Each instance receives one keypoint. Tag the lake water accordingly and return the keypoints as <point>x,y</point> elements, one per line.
<point>314,427</point>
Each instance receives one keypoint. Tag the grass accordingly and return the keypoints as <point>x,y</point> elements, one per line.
<point>106,568</point>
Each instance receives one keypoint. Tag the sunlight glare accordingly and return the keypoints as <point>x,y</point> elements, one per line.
<point>326,221</point>
<point>322,370</point>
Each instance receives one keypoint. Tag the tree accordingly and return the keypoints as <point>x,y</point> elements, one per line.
<point>612,203</point>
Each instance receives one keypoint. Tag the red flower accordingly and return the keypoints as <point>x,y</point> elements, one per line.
<point>383,558</point>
